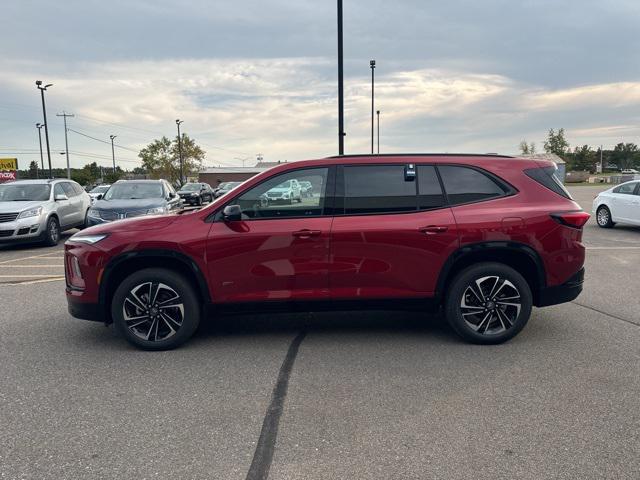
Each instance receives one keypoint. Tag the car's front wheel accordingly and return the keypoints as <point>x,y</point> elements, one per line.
<point>156,309</point>
<point>51,235</point>
<point>603,217</point>
<point>488,303</point>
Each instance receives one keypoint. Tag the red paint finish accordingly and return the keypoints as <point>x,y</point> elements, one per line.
<point>338,257</point>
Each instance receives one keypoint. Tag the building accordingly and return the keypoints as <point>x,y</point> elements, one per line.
<point>216,176</point>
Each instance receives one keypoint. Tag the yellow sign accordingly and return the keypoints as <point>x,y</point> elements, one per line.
<point>8,164</point>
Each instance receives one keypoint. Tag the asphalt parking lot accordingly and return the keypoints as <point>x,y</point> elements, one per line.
<point>373,395</point>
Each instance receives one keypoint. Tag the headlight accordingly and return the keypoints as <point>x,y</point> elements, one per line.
<point>90,239</point>
<point>153,211</point>
<point>285,195</point>
<point>93,213</point>
<point>34,212</point>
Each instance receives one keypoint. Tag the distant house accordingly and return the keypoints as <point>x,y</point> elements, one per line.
<point>560,163</point>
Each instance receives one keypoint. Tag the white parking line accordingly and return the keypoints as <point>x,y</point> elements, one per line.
<point>47,255</point>
<point>613,248</point>
<point>35,275</point>
<point>34,266</point>
<point>53,279</point>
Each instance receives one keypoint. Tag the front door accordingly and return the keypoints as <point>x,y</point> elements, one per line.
<point>278,250</point>
<point>393,235</point>
<point>624,202</point>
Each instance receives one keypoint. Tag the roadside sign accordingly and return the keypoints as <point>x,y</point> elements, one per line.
<point>8,169</point>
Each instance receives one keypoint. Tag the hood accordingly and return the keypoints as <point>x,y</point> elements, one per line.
<point>129,204</point>
<point>150,222</point>
<point>280,189</point>
<point>12,207</point>
<point>187,192</point>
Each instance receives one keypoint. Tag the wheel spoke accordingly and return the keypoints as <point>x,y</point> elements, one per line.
<point>501,315</point>
<point>153,311</point>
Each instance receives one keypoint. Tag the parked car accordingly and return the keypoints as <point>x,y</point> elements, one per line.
<point>618,204</point>
<point>97,192</point>
<point>134,198</point>
<point>286,192</point>
<point>306,189</point>
<point>224,188</point>
<point>196,193</point>
<point>629,171</point>
<point>484,238</point>
<point>39,210</point>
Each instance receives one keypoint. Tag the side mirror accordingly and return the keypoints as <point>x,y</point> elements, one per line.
<point>99,197</point>
<point>172,195</point>
<point>60,197</point>
<point>232,213</point>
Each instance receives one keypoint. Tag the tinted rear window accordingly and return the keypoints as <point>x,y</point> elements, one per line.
<point>546,176</point>
<point>429,190</point>
<point>464,185</point>
<point>378,189</point>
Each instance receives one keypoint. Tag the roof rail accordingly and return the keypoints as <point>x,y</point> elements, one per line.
<point>422,155</point>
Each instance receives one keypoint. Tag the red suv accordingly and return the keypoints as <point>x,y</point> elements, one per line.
<point>484,237</point>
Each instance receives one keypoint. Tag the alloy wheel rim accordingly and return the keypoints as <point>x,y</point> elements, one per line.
<point>153,311</point>
<point>603,216</point>
<point>490,305</point>
<point>53,231</point>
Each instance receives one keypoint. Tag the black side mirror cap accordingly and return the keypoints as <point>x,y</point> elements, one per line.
<point>232,213</point>
<point>99,197</point>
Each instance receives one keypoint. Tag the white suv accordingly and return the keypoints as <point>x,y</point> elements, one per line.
<point>286,192</point>
<point>38,210</point>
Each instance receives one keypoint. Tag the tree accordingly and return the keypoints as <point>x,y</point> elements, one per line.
<point>625,155</point>
<point>527,148</point>
<point>161,158</point>
<point>33,169</point>
<point>556,143</point>
<point>584,159</point>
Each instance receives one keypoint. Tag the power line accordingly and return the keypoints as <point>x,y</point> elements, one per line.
<point>102,141</point>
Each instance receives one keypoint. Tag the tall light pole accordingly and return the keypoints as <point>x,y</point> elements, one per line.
<point>66,142</point>
<point>44,114</point>
<point>178,122</point>
<point>372,64</point>
<point>39,127</point>
<point>378,115</point>
<point>113,153</point>
<point>341,133</point>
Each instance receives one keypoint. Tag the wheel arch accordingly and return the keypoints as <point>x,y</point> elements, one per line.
<point>127,263</point>
<point>519,256</point>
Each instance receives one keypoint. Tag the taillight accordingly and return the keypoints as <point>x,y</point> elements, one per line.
<point>575,219</point>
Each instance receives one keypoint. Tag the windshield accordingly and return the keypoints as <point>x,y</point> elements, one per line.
<point>24,192</point>
<point>286,184</point>
<point>191,187</point>
<point>100,189</point>
<point>126,191</point>
<point>229,185</point>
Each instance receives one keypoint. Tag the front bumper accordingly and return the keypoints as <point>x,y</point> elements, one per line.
<point>561,293</point>
<point>23,229</point>
<point>85,311</point>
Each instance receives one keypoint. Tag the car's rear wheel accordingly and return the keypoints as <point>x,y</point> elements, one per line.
<point>51,235</point>
<point>488,303</point>
<point>603,217</point>
<point>156,309</point>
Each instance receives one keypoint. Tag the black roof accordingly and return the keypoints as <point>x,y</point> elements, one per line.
<point>357,155</point>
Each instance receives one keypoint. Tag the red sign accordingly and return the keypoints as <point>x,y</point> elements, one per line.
<point>7,176</point>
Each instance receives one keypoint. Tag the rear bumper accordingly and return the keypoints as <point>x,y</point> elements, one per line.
<point>561,293</point>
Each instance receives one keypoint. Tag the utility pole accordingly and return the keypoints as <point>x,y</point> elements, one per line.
<point>341,133</point>
<point>378,114</point>
<point>601,164</point>
<point>44,114</point>
<point>113,153</point>
<point>66,142</point>
<point>372,64</point>
<point>178,122</point>
<point>39,127</point>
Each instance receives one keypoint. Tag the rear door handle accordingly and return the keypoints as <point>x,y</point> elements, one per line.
<point>433,229</point>
<point>306,233</point>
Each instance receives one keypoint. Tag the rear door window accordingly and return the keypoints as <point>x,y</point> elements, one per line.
<point>430,193</point>
<point>465,185</point>
<point>378,189</point>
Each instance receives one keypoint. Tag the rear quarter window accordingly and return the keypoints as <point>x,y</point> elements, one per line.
<point>546,176</point>
<point>466,185</point>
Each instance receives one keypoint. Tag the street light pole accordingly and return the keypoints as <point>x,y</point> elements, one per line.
<point>113,153</point>
<point>44,114</point>
<point>341,133</point>
<point>66,142</point>
<point>378,114</point>
<point>39,127</point>
<point>178,122</point>
<point>372,64</point>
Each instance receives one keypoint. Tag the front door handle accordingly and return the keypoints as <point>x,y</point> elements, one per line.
<point>433,229</point>
<point>306,233</point>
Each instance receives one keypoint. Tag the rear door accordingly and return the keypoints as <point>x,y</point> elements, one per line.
<point>391,234</point>
<point>76,211</point>
<point>64,208</point>
<point>276,251</point>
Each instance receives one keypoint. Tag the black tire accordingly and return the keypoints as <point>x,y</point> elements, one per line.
<point>474,290</point>
<point>51,235</point>
<point>603,217</point>
<point>160,285</point>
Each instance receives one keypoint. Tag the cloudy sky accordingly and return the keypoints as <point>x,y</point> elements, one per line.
<point>251,76</point>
